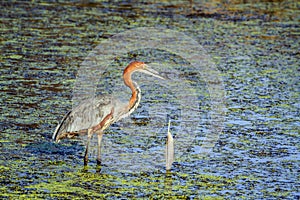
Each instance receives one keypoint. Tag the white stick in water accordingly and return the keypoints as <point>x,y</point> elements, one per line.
<point>169,149</point>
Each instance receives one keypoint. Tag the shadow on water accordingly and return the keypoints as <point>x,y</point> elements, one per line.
<point>60,150</point>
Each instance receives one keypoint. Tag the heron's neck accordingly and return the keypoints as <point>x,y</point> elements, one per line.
<point>135,96</point>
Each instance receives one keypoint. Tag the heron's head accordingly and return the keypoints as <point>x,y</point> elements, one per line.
<point>142,67</point>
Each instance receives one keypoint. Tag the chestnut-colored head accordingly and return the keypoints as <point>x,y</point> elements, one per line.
<point>134,66</point>
<point>140,67</point>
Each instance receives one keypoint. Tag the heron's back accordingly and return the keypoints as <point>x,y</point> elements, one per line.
<point>87,114</point>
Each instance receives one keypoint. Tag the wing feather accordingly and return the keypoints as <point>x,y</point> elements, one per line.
<point>87,114</point>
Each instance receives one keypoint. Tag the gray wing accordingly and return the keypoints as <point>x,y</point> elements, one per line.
<point>87,114</point>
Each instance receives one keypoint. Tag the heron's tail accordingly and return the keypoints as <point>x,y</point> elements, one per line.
<point>60,127</point>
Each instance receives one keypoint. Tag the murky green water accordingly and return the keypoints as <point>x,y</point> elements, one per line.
<point>256,50</point>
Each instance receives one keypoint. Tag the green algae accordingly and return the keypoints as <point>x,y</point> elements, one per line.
<point>106,186</point>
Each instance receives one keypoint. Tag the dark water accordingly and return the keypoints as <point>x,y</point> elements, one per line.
<point>255,47</point>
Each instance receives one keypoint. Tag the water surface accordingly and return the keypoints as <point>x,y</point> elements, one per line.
<point>255,48</point>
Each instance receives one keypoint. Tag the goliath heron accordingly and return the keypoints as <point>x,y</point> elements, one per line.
<point>96,114</point>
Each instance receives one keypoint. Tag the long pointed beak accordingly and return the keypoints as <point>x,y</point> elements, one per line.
<point>150,71</point>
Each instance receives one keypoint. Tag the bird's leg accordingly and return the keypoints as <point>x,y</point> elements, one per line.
<point>87,146</point>
<point>100,135</point>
